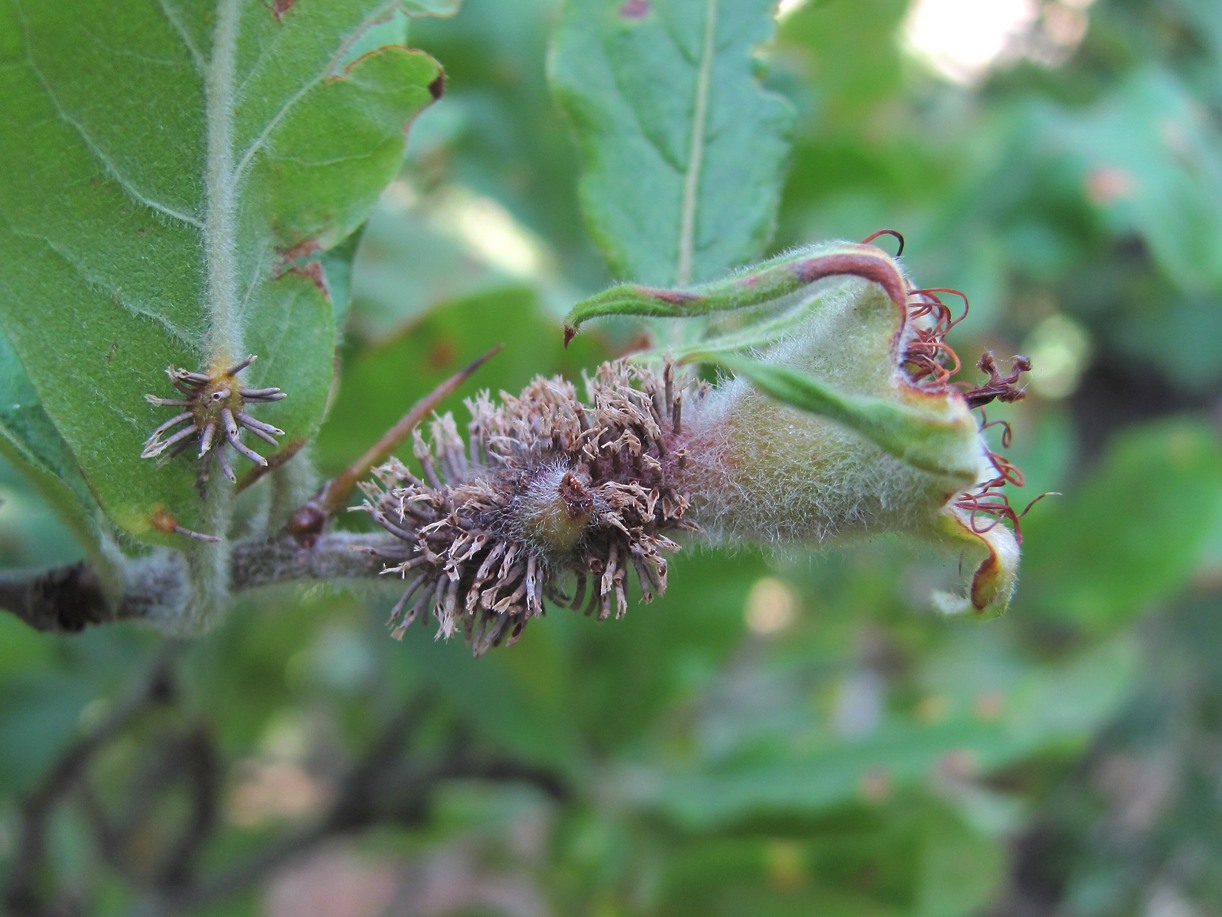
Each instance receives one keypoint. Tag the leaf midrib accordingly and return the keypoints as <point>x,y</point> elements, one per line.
<point>220,192</point>
<point>695,157</point>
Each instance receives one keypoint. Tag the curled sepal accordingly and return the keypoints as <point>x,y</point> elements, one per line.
<point>784,284</point>
<point>993,549</point>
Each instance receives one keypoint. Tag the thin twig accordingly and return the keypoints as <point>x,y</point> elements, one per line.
<point>196,756</point>
<point>335,497</point>
<point>68,599</point>
<point>61,599</point>
<point>386,784</point>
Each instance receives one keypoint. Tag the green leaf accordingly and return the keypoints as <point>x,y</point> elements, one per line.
<point>684,153</point>
<point>31,442</point>
<point>1161,184</point>
<point>380,383</point>
<point>49,684</point>
<point>914,861</point>
<point>173,175</point>
<point>1131,535</point>
<point>931,440</point>
<point>1049,707</point>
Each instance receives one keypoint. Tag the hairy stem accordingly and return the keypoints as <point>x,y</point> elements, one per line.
<point>68,599</point>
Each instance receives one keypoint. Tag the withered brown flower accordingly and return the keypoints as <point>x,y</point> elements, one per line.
<point>549,499</point>
<point>214,413</point>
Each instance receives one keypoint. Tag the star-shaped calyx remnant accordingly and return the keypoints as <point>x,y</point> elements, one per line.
<point>214,411</point>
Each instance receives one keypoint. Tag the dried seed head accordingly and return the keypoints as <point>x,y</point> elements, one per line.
<point>213,414</point>
<point>549,499</point>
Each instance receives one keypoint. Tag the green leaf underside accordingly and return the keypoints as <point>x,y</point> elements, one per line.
<point>30,440</point>
<point>1158,175</point>
<point>684,153</point>
<point>169,186</point>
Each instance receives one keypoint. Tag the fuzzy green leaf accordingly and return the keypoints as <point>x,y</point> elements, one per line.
<point>1159,184</point>
<point>31,442</point>
<point>684,152</point>
<point>173,174</point>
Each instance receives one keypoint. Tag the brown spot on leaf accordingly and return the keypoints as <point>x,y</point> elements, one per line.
<point>440,355</point>
<point>312,270</point>
<point>305,249</point>
<point>280,7</point>
<point>635,9</point>
<point>302,259</point>
<point>438,86</point>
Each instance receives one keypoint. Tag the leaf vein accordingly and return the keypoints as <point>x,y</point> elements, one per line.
<point>258,143</point>
<point>115,294</point>
<point>695,158</point>
<point>96,150</point>
<point>175,22</point>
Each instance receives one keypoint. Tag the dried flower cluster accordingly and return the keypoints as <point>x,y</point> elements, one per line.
<point>214,413</point>
<point>548,500</point>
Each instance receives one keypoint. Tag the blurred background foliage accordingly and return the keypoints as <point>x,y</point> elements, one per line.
<point>784,735</point>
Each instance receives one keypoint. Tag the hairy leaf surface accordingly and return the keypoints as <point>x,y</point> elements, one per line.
<point>174,173</point>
